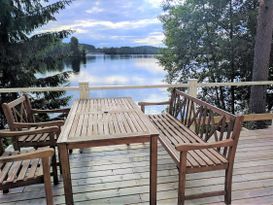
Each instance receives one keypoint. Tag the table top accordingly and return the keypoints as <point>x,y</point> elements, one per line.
<point>104,119</point>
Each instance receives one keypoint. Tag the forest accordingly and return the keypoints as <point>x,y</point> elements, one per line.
<point>214,41</point>
<point>121,50</point>
<point>25,52</point>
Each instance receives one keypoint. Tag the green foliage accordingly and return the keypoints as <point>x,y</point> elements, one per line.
<point>25,52</point>
<point>213,41</point>
<point>74,47</point>
<point>130,50</point>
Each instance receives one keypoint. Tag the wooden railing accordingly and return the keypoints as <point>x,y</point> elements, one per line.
<point>192,86</point>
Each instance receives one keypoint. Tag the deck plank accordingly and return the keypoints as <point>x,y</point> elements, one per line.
<point>119,175</point>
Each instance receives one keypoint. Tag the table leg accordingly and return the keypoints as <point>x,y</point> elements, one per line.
<point>64,158</point>
<point>153,169</point>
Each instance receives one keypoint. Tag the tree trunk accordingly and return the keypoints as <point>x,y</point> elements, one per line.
<point>232,58</point>
<point>261,57</point>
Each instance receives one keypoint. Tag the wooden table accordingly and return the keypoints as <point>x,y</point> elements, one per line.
<point>102,122</point>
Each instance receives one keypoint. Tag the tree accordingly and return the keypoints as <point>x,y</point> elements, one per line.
<point>25,52</point>
<point>262,51</point>
<point>213,41</point>
<point>74,46</point>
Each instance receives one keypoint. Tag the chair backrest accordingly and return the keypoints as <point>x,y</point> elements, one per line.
<point>18,110</point>
<point>207,121</point>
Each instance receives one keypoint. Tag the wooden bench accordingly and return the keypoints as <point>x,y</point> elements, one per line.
<point>195,141</point>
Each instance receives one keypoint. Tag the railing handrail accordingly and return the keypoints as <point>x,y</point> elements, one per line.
<point>84,87</point>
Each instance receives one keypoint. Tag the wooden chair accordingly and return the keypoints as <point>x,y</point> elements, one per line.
<point>26,167</point>
<point>199,137</point>
<point>20,115</point>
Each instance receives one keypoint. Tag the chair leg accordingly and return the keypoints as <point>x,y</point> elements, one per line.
<point>47,181</point>
<point>54,168</point>
<point>228,185</point>
<point>182,178</point>
<point>59,162</point>
<point>5,191</point>
<point>181,188</point>
<point>15,145</point>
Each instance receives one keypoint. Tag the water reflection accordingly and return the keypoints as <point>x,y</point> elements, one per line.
<point>120,70</point>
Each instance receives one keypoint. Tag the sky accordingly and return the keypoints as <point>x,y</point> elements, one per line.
<point>116,23</point>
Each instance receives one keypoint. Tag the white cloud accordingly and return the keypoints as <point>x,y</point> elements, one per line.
<point>150,65</point>
<point>94,9</point>
<point>154,3</point>
<point>84,76</point>
<point>115,25</point>
<point>154,38</point>
<point>160,97</point>
<point>81,26</point>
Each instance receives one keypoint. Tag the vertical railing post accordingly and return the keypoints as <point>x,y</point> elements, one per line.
<point>193,84</point>
<point>84,90</point>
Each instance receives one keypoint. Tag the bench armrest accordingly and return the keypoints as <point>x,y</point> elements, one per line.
<point>143,104</point>
<point>58,123</point>
<point>8,133</point>
<point>40,153</point>
<point>197,146</point>
<point>63,110</point>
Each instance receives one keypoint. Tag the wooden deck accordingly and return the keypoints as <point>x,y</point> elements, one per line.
<point>119,175</point>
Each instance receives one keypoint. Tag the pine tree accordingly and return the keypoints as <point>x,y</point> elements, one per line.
<point>25,52</point>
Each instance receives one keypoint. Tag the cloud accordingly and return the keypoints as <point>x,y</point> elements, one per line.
<point>149,65</point>
<point>111,22</point>
<point>94,9</point>
<point>82,26</point>
<point>154,3</point>
<point>115,25</point>
<point>84,76</point>
<point>154,39</point>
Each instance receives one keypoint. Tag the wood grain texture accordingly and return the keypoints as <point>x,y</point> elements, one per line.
<point>196,141</point>
<point>120,175</point>
<point>104,122</point>
<point>103,119</point>
<point>26,168</point>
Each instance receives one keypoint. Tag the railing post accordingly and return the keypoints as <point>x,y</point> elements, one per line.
<point>84,90</point>
<point>193,84</point>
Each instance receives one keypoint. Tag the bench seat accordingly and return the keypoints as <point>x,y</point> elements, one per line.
<point>173,132</point>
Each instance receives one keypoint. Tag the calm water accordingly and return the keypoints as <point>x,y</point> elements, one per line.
<point>122,70</point>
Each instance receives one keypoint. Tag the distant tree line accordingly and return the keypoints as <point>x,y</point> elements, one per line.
<point>121,50</point>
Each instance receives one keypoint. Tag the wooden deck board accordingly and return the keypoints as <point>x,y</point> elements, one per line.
<point>119,175</point>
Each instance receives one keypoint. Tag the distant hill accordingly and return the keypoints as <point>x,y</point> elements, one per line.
<point>121,50</point>
<point>88,48</point>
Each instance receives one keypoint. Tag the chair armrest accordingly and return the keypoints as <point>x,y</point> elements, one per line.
<point>197,146</point>
<point>40,153</point>
<point>8,133</point>
<point>63,110</point>
<point>58,123</point>
<point>153,103</point>
<point>143,104</point>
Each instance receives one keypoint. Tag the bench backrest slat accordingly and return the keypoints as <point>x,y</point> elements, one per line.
<point>210,123</point>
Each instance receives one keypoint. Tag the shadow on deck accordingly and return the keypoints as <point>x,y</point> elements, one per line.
<point>119,175</point>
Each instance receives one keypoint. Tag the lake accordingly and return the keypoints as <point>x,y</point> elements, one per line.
<point>122,70</point>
